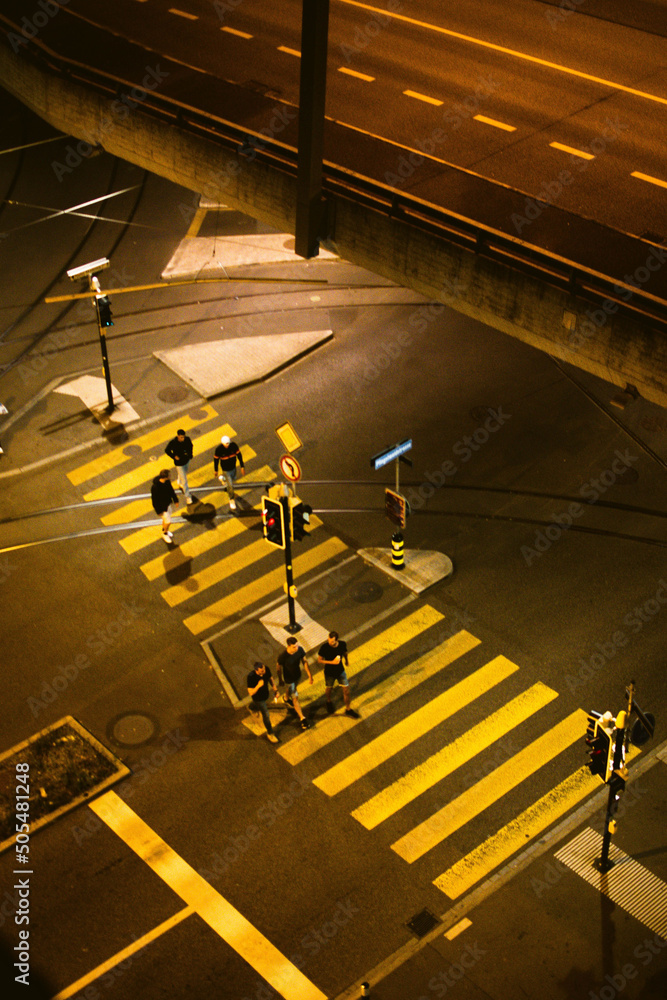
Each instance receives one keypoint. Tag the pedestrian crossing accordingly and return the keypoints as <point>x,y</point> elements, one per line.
<point>204,562</point>
<point>432,700</point>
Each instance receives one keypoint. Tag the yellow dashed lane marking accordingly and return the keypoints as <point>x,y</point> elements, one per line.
<point>261,588</point>
<point>223,918</point>
<point>196,223</point>
<point>290,52</point>
<point>355,73</point>
<point>495,123</point>
<point>490,789</point>
<point>146,473</point>
<point>422,97</point>
<point>510,52</point>
<point>146,442</point>
<point>573,152</point>
<point>235,31</point>
<point>183,13</point>
<point>647,177</point>
<point>405,732</point>
<point>474,741</point>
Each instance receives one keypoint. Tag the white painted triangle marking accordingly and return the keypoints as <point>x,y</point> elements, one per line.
<point>93,393</point>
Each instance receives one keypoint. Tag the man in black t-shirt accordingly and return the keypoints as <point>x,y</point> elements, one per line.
<point>289,669</point>
<point>258,689</point>
<point>333,654</point>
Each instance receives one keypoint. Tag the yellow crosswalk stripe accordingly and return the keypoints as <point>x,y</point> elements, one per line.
<point>407,788</point>
<point>405,732</point>
<point>503,844</point>
<point>138,508</point>
<point>380,695</point>
<point>117,456</point>
<point>146,473</point>
<point>256,591</point>
<point>491,788</point>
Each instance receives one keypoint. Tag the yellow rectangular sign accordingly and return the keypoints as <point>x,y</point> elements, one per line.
<point>288,436</point>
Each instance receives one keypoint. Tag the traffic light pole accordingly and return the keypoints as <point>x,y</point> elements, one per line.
<point>603,863</point>
<point>293,623</point>
<point>103,345</point>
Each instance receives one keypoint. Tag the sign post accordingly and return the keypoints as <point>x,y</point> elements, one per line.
<point>396,505</point>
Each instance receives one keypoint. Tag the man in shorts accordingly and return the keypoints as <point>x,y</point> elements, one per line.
<point>258,689</point>
<point>289,666</point>
<point>333,654</point>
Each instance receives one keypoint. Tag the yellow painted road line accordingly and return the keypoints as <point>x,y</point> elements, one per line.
<point>223,918</point>
<point>217,572</point>
<point>235,31</point>
<point>196,223</point>
<point>356,74</point>
<point>146,441</point>
<point>423,97</point>
<point>647,177</point>
<point>379,696</point>
<point>126,953</point>
<point>490,789</point>
<point>405,732</point>
<point>505,51</point>
<point>572,150</point>
<point>290,52</point>
<point>495,123</point>
<point>261,588</point>
<point>517,834</point>
<point>146,473</point>
<point>183,13</point>
<point>427,774</point>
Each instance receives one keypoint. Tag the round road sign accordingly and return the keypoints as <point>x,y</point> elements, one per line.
<point>290,468</point>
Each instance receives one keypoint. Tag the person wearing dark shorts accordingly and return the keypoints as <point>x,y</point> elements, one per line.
<point>258,682</point>
<point>333,654</point>
<point>289,666</point>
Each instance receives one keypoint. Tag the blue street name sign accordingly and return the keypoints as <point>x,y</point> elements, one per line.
<point>383,457</point>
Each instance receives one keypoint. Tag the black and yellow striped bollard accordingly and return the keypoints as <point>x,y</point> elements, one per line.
<point>397,554</point>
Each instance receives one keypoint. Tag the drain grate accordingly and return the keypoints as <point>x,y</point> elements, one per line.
<point>422,923</point>
<point>365,593</point>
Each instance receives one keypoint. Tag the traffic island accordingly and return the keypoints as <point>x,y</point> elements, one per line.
<point>50,773</point>
<point>421,570</point>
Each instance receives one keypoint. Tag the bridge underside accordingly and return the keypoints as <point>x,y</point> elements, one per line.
<point>594,336</point>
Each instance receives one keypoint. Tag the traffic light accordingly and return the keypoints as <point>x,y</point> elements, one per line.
<point>299,519</point>
<point>104,310</point>
<point>273,521</point>
<point>600,746</point>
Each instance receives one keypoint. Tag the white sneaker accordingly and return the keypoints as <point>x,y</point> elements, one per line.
<point>232,504</point>
<point>167,535</point>
<point>221,478</point>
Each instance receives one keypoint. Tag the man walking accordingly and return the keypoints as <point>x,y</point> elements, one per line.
<point>226,454</point>
<point>180,450</point>
<point>163,496</point>
<point>289,669</point>
<point>333,654</point>
<point>258,689</point>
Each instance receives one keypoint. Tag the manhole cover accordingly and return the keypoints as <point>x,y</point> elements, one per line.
<point>173,394</point>
<point>364,593</point>
<point>627,477</point>
<point>422,923</point>
<point>131,450</point>
<point>480,413</point>
<point>134,729</point>
<point>197,415</point>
